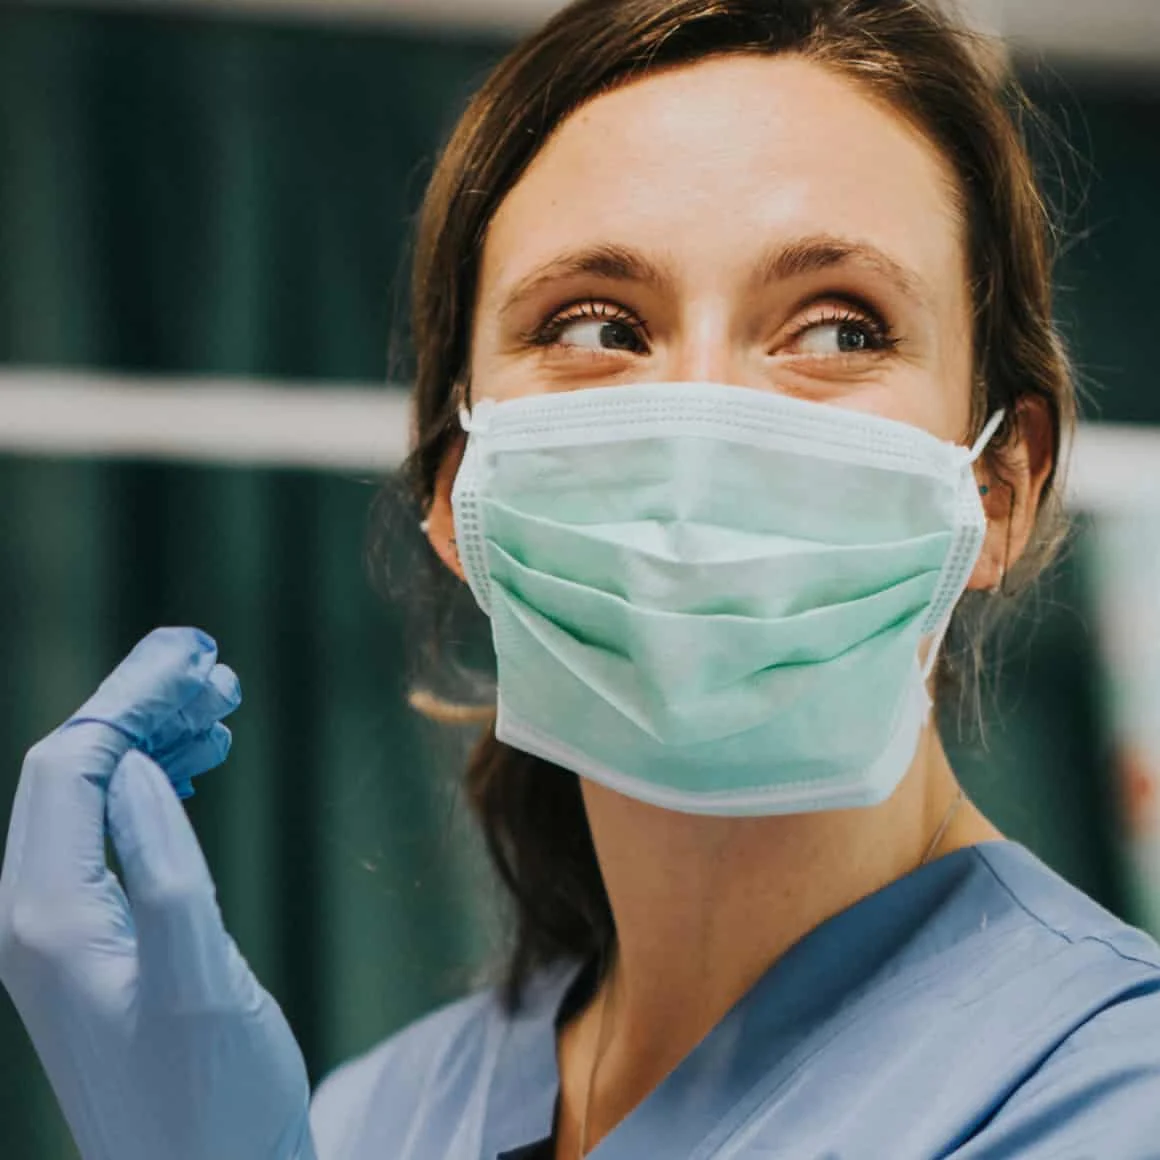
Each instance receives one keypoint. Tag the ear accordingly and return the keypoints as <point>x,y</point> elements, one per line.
<point>440,523</point>
<point>1014,481</point>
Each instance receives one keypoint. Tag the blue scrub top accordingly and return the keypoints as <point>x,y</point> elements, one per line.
<point>979,1007</point>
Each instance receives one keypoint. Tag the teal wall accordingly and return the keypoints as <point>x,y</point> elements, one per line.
<point>180,194</point>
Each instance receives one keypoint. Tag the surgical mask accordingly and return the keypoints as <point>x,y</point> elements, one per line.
<point>712,598</point>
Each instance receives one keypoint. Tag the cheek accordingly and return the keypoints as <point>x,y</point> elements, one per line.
<point>954,364</point>
<point>957,379</point>
<point>938,395</point>
<point>933,398</point>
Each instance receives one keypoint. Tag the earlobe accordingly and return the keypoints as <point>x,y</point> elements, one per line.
<point>439,525</point>
<point>998,499</point>
<point>991,566</point>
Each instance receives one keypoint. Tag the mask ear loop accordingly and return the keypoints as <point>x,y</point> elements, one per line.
<point>977,449</point>
<point>986,435</point>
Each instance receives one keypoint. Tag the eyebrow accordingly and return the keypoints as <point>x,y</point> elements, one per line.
<point>780,263</point>
<point>612,262</point>
<point>825,251</point>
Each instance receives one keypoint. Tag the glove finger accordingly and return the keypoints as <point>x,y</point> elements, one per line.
<point>56,840</point>
<point>184,951</point>
<point>190,749</point>
<point>197,755</point>
<point>163,674</point>
<point>218,697</point>
<point>56,829</point>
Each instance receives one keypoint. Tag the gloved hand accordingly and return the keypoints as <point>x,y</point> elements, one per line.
<point>159,1042</point>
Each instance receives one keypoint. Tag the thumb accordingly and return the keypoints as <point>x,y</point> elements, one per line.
<point>187,960</point>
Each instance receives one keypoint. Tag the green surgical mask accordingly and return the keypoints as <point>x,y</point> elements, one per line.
<point>712,598</point>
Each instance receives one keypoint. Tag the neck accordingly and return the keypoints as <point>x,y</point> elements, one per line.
<point>704,905</point>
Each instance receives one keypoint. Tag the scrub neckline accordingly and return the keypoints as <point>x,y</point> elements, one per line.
<point>571,985</point>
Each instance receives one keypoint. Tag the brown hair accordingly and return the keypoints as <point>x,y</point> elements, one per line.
<point>905,53</point>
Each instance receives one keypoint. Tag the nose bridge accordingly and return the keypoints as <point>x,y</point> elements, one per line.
<point>706,346</point>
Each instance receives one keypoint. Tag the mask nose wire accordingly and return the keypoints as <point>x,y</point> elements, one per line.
<point>987,434</point>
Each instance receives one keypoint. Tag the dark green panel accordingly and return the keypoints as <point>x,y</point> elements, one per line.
<point>1104,171</point>
<point>213,195</point>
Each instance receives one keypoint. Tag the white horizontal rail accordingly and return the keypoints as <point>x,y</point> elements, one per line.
<point>366,429</point>
<point>1115,467</point>
<point>203,420</point>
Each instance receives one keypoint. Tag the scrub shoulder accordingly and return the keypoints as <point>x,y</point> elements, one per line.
<point>433,1080</point>
<point>1096,1090</point>
<point>980,1008</point>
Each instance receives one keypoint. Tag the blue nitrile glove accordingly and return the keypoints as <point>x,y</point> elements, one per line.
<point>158,1040</point>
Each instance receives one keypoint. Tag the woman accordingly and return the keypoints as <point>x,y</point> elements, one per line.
<point>737,385</point>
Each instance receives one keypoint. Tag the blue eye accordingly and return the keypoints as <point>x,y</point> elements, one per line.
<point>593,335</point>
<point>837,338</point>
<point>593,326</point>
<point>842,334</point>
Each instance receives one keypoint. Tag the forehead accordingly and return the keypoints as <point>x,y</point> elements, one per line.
<point>712,161</point>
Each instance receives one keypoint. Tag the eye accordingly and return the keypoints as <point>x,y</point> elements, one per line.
<point>842,333</point>
<point>599,336</point>
<point>593,326</point>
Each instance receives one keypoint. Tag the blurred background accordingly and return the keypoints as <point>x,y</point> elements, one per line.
<point>205,210</point>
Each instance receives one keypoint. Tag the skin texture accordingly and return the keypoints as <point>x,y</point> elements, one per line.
<point>728,181</point>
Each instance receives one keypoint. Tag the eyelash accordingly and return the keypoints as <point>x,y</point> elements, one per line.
<point>591,310</point>
<point>548,332</point>
<point>882,337</point>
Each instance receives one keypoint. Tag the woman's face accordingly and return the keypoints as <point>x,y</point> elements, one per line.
<point>759,221</point>
<point>750,220</point>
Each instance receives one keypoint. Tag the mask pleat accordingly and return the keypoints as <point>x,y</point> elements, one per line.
<point>700,569</point>
<point>677,650</point>
<point>682,709</point>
